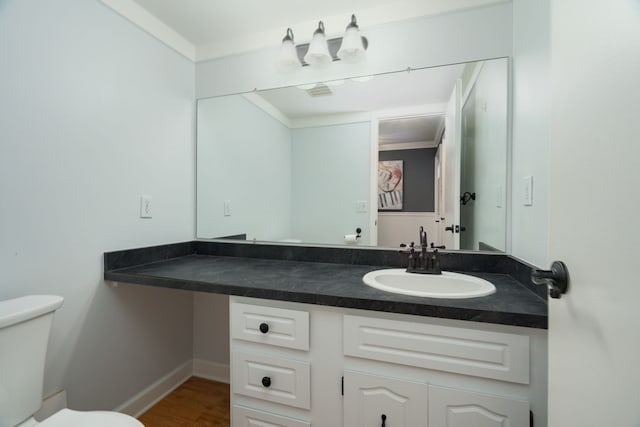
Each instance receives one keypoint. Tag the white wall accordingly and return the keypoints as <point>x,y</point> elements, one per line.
<point>93,113</point>
<point>530,138</point>
<point>330,173</point>
<point>244,156</point>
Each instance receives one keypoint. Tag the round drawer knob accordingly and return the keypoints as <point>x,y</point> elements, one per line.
<point>266,381</point>
<point>264,328</point>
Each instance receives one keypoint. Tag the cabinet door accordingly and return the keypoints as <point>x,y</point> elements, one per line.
<point>371,401</point>
<point>458,408</point>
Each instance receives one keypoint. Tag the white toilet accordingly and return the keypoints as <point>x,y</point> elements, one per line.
<point>24,333</point>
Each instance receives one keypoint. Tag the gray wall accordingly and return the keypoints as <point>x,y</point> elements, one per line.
<point>419,177</point>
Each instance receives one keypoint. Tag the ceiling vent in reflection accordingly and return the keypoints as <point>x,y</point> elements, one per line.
<point>319,89</point>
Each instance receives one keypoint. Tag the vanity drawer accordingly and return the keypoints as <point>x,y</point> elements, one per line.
<point>277,380</point>
<point>270,325</point>
<point>247,417</point>
<point>486,354</point>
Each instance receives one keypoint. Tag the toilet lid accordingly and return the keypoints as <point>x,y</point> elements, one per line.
<point>69,418</point>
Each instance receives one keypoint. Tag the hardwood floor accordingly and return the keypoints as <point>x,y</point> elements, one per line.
<point>196,403</point>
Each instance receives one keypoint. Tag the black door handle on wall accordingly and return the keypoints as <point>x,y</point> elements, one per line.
<point>556,279</point>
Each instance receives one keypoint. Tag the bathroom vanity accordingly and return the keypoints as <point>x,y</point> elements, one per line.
<point>312,345</point>
<point>301,365</point>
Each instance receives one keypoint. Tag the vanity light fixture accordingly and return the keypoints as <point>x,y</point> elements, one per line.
<point>288,59</point>
<point>320,52</point>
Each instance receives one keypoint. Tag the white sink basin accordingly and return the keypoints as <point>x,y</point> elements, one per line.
<point>446,285</point>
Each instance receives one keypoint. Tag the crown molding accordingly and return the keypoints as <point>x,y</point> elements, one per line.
<point>152,25</point>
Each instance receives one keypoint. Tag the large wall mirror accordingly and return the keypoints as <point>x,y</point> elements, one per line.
<point>382,154</point>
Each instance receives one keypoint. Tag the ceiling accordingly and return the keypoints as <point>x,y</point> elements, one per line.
<point>429,86</point>
<point>207,29</point>
<point>414,100</point>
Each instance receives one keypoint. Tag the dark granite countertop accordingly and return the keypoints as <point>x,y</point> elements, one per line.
<point>330,284</point>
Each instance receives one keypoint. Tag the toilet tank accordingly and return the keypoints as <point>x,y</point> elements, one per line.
<point>24,333</point>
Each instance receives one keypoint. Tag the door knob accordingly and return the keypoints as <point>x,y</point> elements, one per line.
<point>556,279</point>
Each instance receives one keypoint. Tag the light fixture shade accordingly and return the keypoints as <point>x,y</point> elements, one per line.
<point>288,58</point>
<point>352,47</point>
<point>318,54</point>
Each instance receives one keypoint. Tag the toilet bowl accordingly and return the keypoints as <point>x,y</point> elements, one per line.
<point>24,333</point>
<point>69,418</point>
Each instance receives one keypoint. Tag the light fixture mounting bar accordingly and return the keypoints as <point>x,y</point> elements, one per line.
<point>333,44</point>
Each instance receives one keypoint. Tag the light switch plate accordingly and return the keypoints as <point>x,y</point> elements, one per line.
<point>145,207</point>
<point>528,190</point>
<point>361,206</point>
<point>227,208</point>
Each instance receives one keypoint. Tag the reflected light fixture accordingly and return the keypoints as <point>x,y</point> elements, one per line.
<point>288,58</point>
<point>320,52</point>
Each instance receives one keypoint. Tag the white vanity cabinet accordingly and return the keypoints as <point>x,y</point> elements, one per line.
<point>329,366</point>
